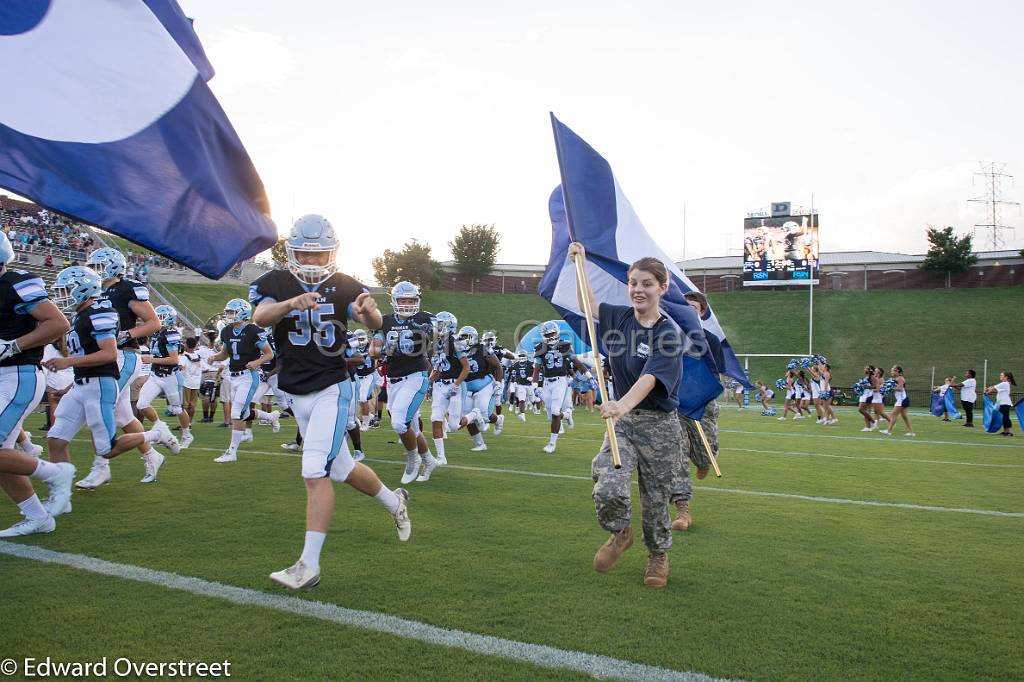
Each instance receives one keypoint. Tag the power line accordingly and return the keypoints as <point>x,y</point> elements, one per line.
<point>994,203</point>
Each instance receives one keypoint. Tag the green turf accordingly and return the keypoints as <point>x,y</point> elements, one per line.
<point>762,588</point>
<point>207,300</point>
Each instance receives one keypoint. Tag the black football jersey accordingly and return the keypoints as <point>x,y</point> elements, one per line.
<point>367,367</point>
<point>89,327</point>
<point>406,342</point>
<point>243,344</point>
<point>121,294</point>
<point>446,360</point>
<point>269,366</point>
<point>20,292</point>
<point>522,372</point>
<point>478,364</point>
<point>161,345</point>
<point>311,343</point>
<point>556,361</point>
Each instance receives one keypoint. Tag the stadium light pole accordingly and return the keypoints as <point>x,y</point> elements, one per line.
<point>810,286</point>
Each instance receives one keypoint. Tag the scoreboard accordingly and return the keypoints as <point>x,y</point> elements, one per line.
<point>780,247</point>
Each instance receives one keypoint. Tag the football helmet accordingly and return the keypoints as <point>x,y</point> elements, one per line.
<point>167,315</point>
<point>353,340</point>
<point>405,290</point>
<point>521,356</point>
<point>6,250</point>
<point>312,234</point>
<point>107,262</point>
<point>74,286</point>
<point>551,332</point>
<point>362,337</point>
<point>490,339</point>
<point>445,323</point>
<point>237,310</point>
<point>467,338</point>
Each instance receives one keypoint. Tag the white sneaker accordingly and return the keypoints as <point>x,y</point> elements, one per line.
<point>167,438</point>
<point>568,419</point>
<point>441,460</point>
<point>29,527</point>
<point>819,421</point>
<point>522,417</point>
<point>428,467</point>
<point>478,448</point>
<point>59,500</point>
<point>561,429</point>
<point>246,437</point>
<point>154,460</point>
<point>227,457</point>
<point>874,425</point>
<point>292,447</point>
<point>412,467</point>
<point>484,425</point>
<point>499,425</point>
<point>186,440</point>
<point>364,427</point>
<point>34,450</point>
<point>298,576</point>
<point>275,422</point>
<point>549,448</point>
<point>866,428</point>
<point>358,456</point>
<point>910,433</point>
<point>884,432</point>
<point>401,515</point>
<point>799,416</point>
<point>782,419</point>
<point>98,475</point>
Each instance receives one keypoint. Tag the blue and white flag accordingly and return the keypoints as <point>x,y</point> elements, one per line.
<point>938,406</point>
<point>951,405</point>
<point>600,217</point>
<point>113,123</point>
<point>992,417</point>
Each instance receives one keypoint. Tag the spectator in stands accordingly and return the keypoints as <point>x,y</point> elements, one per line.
<point>48,261</point>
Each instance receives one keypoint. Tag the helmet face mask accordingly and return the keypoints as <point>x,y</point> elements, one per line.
<point>551,333</point>
<point>167,315</point>
<point>312,234</point>
<point>410,294</point>
<point>74,286</point>
<point>467,338</point>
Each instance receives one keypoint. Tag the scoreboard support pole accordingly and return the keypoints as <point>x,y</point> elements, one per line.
<point>810,286</point>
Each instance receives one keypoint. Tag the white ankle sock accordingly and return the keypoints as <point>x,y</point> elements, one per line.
<point>553,439</point>
<point>98,461</point>
<point>33,509</point>
<point>311,550</point>
<point>236,438</point>
<point>478,439</point>
<point>388,498</point>
<point>439,445</point>
<point>46,471</point>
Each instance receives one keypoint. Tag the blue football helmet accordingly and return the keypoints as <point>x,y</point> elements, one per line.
<point>237,310</point>
<point>6,250</point>
<point>107,262</point>
<point>312,234</point>
<point>167,315</point>
<point>467,338</point>
<point>551,332</point>
<point>445,323</point>
<point>74,286</point>
<point>490,339</point>
<point>402,291</point>
<point>362,337</point>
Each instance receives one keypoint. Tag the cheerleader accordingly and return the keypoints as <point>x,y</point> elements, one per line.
<point>738,395</point>
<point>866,399</point>
<point>1003,402</point>
<point>902,402</point>
<point>825,381</point>
<point>764,394</point>
<point>790,396</point>
<point>876,394</point>
<point>815,381</point>
<point>804,395</point>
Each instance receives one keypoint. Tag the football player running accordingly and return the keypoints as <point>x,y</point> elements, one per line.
<point>246,348</point>
<point>93,399</point>
<point>137,321</point>
<point>28,321</point>
<point>366,376</point>
<point>555,356</point>
<point>165,377</point>
<point>483,384</point>
<point>309,306</point>
<point>522,373</point>
<point>404,340</point>
<point>449,369</point>
<point>505,358</point>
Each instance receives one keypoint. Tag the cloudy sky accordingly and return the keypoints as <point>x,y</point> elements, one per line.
<point>407,119</point>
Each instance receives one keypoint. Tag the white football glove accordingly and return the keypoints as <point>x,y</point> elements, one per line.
<point>8,349</point>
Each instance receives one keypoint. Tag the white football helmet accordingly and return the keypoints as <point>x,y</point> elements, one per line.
<point>402,291</point>
<point>312,234</point>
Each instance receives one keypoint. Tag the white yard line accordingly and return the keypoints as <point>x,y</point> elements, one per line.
<point>908,460</point>
<point>601,667</point>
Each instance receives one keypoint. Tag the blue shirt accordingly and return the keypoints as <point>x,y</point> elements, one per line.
<point>634,350</point>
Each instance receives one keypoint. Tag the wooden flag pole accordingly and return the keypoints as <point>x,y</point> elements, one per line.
<point>584,286</point>
<point>714,461</point>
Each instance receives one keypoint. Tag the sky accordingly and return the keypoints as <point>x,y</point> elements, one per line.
<point>405,120</point>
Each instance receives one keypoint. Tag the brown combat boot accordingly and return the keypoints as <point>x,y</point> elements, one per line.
<point>656,574</point>
<point>611,550</point>
<point>702,473</point>
<point>683,520</point>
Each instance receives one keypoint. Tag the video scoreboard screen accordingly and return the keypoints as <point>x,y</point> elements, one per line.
<point>780,250</point>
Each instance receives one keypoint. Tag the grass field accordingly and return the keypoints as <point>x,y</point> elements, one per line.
<point>917,329</point>
<point>786,575</point>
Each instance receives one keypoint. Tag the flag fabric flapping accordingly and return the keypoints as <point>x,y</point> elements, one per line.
<point>993,418</point>
<point>115,125</point>
<point>938,406</point>
<point>590,207</point>
<point>951,408</point>
<point>1018,408</point>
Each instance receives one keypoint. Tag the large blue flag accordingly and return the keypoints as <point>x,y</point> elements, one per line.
<point>950,402</point>
<point>938,406</point>
<point>993,418</point>
<point>1019,409</point>
<point>109,119</point>
<point>600,217</point>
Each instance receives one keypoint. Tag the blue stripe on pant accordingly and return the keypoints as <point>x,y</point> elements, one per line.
<point>254,386</point>
<point>181,387</point>
<point>23,394</point>
<point>131,360</point>
<point>108,398</point>
<point>341,421</point>
<point>417,400</point>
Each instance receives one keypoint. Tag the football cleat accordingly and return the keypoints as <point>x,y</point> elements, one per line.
<point>568,419</point>
<point>298,576</point>
<point>167,438</point>
<point>227,457</point>
<point>275,421</point>
<point>98,475</point>
<point>479,448</point>
<point>549,448</point>
<point>401,515</point>
<point>30,527</point>
<point>246,437</point>
<point>293,446</point>
<point>186,440</point>
<point>34,450</point>
<point>499,425</point>
<point>441,460</point>
<point>430,464</point>
<point>522,417</point>
<point>59,500</point>
<point>412,467</point>
<point>358,456</point>
<point>154,460</point>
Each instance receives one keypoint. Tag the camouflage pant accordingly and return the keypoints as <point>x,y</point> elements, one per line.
<point>648,444</point>
<point>693,450</point>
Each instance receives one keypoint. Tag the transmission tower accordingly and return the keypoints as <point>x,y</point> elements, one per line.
<point>994,202</point>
